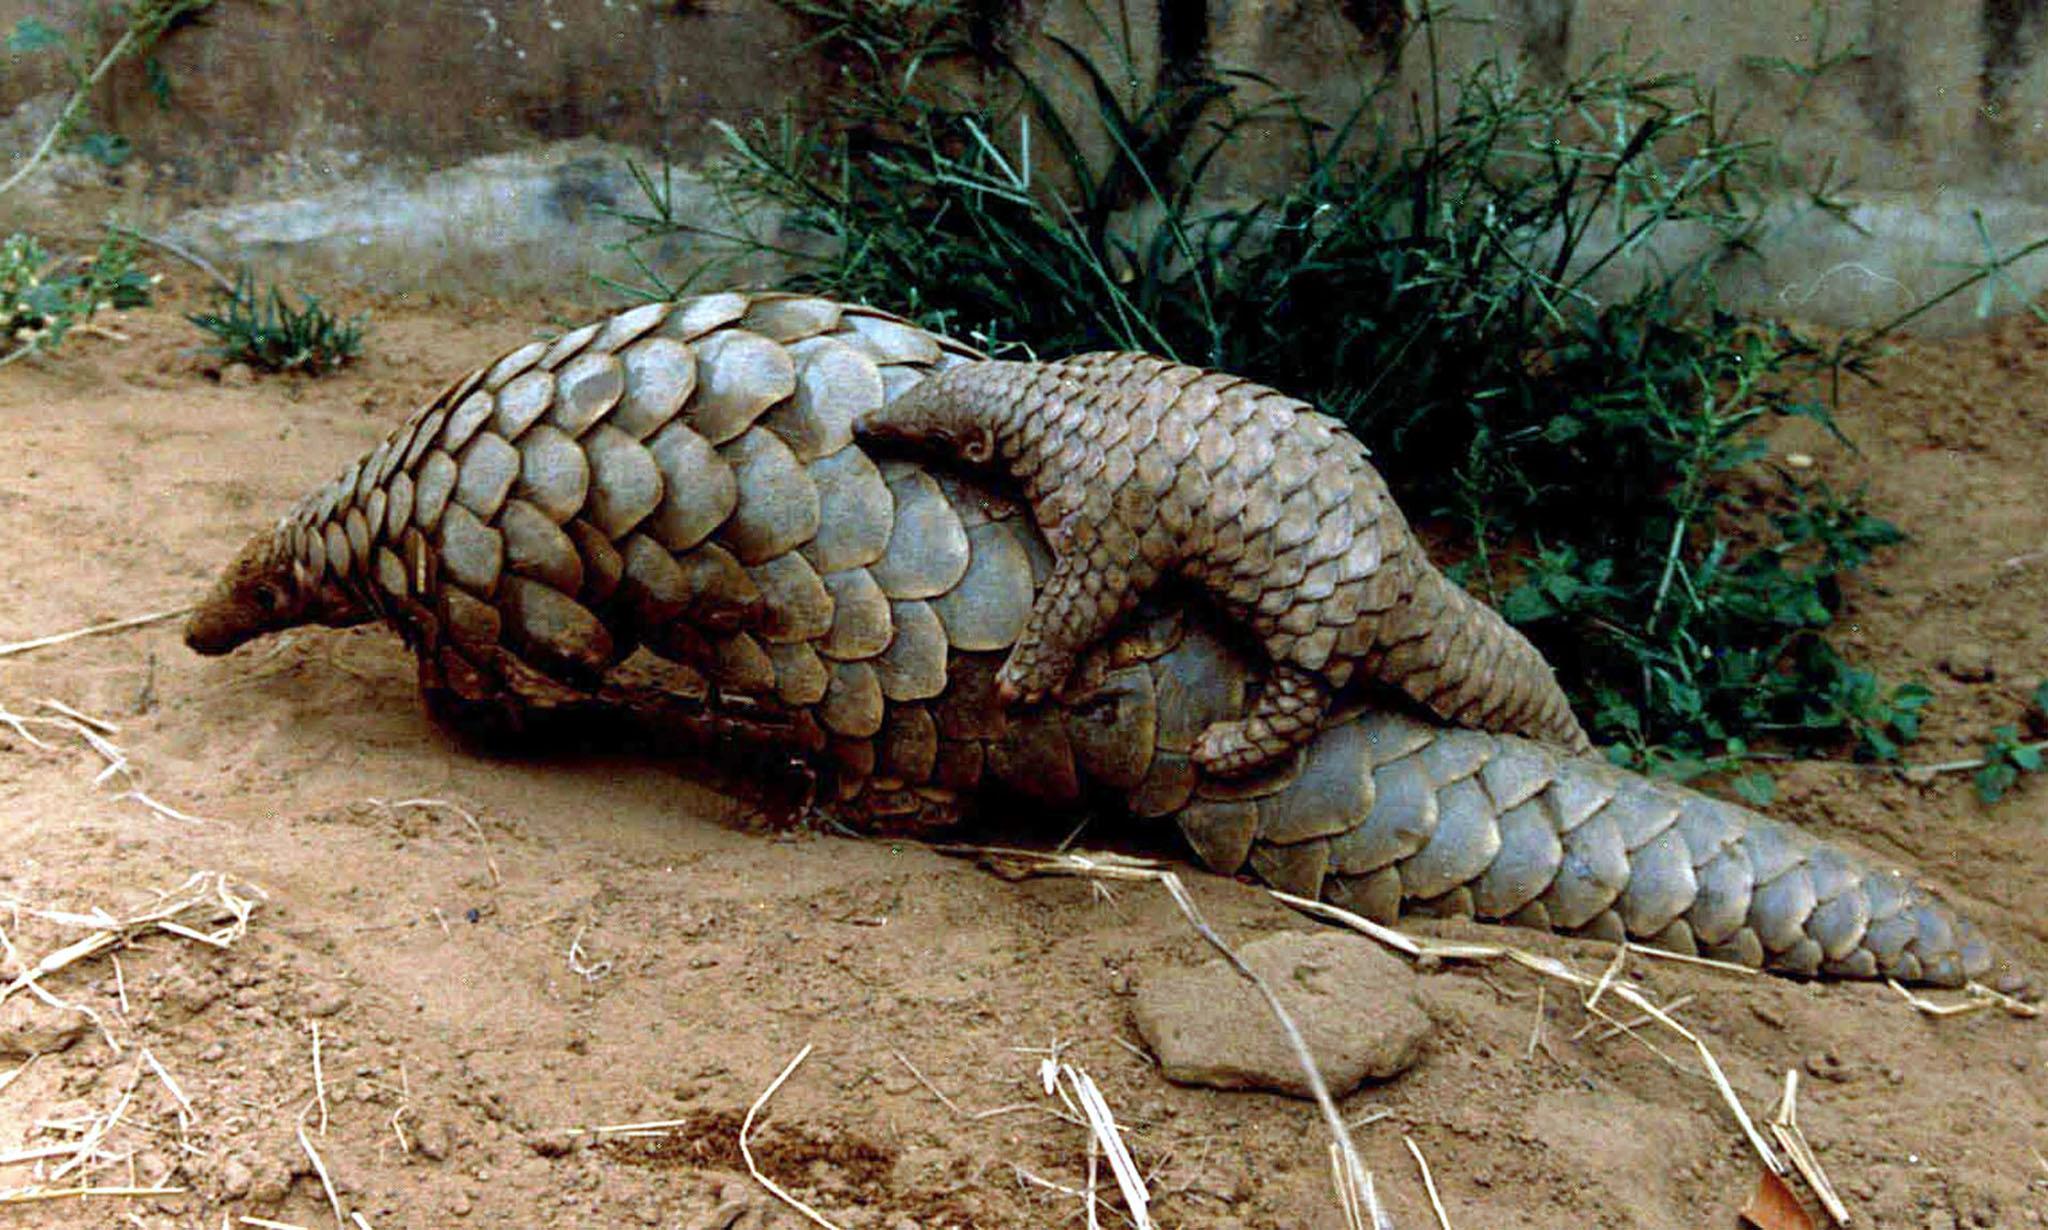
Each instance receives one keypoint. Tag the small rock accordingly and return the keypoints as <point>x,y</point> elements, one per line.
<point>325,1000</point>
<point>236,1178</point>
<point>270,1181</point>
<point>31,1027</point>
<point>185,995</point>
<point>1356,1007</point>
<point>1768,1015</point>
<point>1828,1066</point>
<point>430,1138</point>
<point>551,1144</point>
<point>1968,662</point>
<point>238,375</point>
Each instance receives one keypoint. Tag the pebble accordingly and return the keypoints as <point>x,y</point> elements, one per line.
<point>31,1027</point>
<point>1968,662</point>
<point>1356,1006</point>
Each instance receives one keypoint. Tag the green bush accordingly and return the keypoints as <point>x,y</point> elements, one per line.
<point>1444,282</point>
<point>265,330</point>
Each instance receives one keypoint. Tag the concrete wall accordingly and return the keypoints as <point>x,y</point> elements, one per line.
<point>463,146</point>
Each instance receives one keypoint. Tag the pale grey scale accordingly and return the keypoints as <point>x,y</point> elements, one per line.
<point>1661,884</point>
<point>699,490</point>
<point>1580,794</point>
<point>628,326</point>
<point>1741,948</point>
<point>1298,869</point>
<point>488,469</point>
<point>1676,937</point>
<point>696,316</point>
<point>853,704</point>
<point>1402,820</point>
<point>913,667</point>
<point>888,340</point>
<point>1460,848</point>
<point>463,422</point>
<point>777,509</point>
<point>522,402</point>
<point>423,439</point>
<point>554,475</point>
<point>335,496</point>
<point>796,605</point>
<point>535,546</point>
<point>555,628</point>
<point>1527,861</point>
<point>313,554</point>
<point>1708,827</point>
<point>1267,781</point>
<point>1220,832</point>
<point>356,528</point>
<point>1455,755</point>
<point>391,574</point>
<point>861,626</point>
<point>471,553</point>
<point>801,676</point>
<point>987,610</point>
<point>1333,787</point>
<point>856,512</point>
<point>898,380</point>
<point>791,319</point>
<point>569,345</point>
<point>1803,958</point>
<point>1720,906</point>
<point>1167,787</point>
<point>1780,907</point>
<point>1593,873</point>
<point>1773,850</point>
<point>661,374</point>
<point>1606,926</point>
<point>1833,872</point>
<point>1115,734</point>
<point>513,364</point>
<point>739,376</point>
<point>928,550</point>
<point>834,385</point>
<point>1642,811</point>
<point>395,446</point>
<point>470,622</point>
<point>366,475</point>
<point>586,389</point>
<point>625,484</point>
<point>433,486</point>
<point>1838,923</point>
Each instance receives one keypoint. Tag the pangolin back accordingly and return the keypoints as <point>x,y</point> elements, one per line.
<point>1138,468</point>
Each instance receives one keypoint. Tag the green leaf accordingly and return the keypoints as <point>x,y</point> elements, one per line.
<point>32,35</point>
<point>1993,780</point>
<point>1757,789</point>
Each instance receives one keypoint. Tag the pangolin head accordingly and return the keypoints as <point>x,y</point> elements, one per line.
<point>258,593</point>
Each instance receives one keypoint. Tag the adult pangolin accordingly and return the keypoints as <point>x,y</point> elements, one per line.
<point>1138,469</point>
<point>680,484</point>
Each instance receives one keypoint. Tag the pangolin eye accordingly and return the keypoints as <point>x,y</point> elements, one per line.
<point>269,598</point>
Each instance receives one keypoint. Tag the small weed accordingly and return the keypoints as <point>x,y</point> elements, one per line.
<point>2005,758</point>
<point>264,330</point>
<point>44,297</point>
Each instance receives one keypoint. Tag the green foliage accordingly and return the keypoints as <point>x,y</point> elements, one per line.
<point>43,297</point>
<point>2005,758</point>
<point>125,30</point>
<point>266,331</point>
<point>1448,282</point>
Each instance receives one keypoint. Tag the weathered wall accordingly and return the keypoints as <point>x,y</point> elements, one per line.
<point>407,145</point>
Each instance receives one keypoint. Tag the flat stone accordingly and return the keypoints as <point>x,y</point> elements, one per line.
<point>1356,1007</point>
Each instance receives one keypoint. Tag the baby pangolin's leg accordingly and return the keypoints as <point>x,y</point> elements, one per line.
<point>1080,600</point>
<point>1285,716</point>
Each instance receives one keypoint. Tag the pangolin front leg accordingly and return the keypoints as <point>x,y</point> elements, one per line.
<point>1285,716</point>
<point>1081,599</point>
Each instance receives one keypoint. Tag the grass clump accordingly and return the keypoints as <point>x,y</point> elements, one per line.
<point>1465,286</point>
<point>43,297</point>
<point>263,329</point>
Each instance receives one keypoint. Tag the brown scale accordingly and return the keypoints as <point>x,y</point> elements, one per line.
<point>1138,469</point>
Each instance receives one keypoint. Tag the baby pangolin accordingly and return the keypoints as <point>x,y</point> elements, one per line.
<point>1138,469</point>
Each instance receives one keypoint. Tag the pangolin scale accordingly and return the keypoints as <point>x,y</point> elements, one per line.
<point>1138,469</point>
<point>680,482</point>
